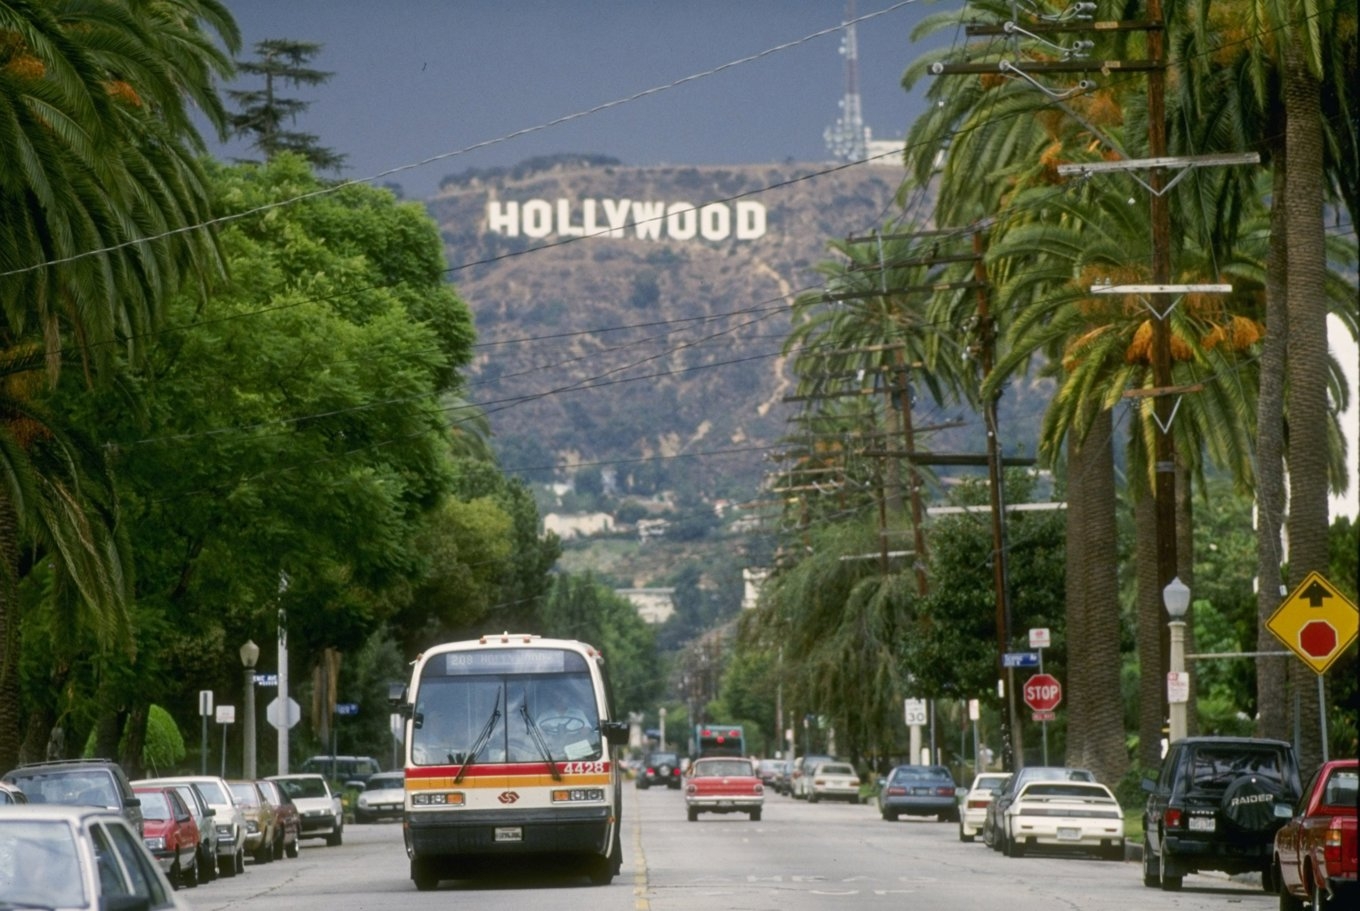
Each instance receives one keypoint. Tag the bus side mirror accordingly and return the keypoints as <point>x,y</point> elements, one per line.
<point>396,697</point>
<point>615,732</point>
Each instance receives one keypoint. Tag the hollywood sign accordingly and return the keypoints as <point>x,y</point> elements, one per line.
<point>644,220</point>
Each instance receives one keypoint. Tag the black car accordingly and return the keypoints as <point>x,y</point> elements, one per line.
<point>660,769</point>
<point>1214,807</point>
<point>79,782</point>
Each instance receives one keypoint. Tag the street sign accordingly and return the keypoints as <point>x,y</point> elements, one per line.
<point>1177,687</point>
<point>226,714</point>
<point>347,708</point>
<point>1044,716</point>
<point>277,714</point>
<point>205,702</point>
<point>1317,622</point>
<point>1020,659</point>
<point>1042,692</point>
<point>916,713</point>
<point>266,679</point>
<point>1040,637</point>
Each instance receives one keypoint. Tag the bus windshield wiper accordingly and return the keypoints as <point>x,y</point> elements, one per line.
<point>482,738</point>
<point>539,741</point>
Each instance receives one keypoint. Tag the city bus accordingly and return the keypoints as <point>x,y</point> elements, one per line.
<point>719,740</point>
<point>508,756</point>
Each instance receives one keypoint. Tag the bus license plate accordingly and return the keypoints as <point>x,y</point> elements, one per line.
<point>508,833</point>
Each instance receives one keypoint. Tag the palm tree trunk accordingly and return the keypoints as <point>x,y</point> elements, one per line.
<point>1152,634</point>
<point>1272,718</point>
<point>1306,392</point>
<point>11,698</point>
<point>1095,714</point>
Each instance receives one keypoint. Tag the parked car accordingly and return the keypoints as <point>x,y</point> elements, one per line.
<point>286,818</point>
<point>800,774</point>
<point>1080,815</point>
<point>79,782</point>
<point>203,818</point>
<point>659,769</point>
<point>919,790</point>
<point>342,770</point>
<point>383,798</point>
<point>319,806</point>
<point>769,770</point>
<point>11,794</point>
<point>261,823</point>
<point>834,781</point>
<point>228,819</point>
<point>1315,851</point>
<point>1213,807</point>
<point>993,830</point>
<point>78,858</point>
<point>783,781</point>
<point>979,796</point>
<point>170,833</point>
<point>723,784</point>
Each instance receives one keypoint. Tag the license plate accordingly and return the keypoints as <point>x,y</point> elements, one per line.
<point>508,833</point>
<point>1201,824</point>
<point>1069,834</point>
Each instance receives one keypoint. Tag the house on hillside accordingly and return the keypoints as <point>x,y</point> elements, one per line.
<point>654,605</point>
<point>578,525</point>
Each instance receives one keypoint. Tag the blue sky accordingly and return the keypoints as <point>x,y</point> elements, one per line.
<point>417,79</point>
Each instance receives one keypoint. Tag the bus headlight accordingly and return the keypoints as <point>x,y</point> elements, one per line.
<point>437,799</point>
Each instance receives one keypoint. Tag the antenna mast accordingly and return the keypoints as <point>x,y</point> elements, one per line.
<point>848,138</point>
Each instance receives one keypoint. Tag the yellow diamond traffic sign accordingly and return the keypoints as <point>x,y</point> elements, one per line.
<point>1316,622</point>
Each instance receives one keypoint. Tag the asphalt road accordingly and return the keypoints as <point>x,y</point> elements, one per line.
<point>799,857</point>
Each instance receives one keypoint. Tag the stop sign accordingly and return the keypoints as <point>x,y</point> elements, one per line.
<point>1043,692</point>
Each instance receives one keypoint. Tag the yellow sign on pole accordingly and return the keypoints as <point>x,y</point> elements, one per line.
<point>1316,622</point>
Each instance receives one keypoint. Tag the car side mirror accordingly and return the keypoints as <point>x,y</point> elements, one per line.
<point>209,812</point>
<point>1149,785</point>
<point>1284,811</point>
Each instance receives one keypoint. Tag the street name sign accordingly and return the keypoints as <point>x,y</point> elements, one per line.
<point>1020,659</point>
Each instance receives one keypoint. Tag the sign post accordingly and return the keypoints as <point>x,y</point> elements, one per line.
<point>205,710</point>
<point>1040,639</point>
<point>226,714</point>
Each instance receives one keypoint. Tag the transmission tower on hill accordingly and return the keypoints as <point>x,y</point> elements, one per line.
<point>848,138</point>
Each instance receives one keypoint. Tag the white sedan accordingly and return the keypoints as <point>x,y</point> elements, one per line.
<point>70,858</point>
<point>980,795</point>
<point>1082,815</point>
<point>833,781</point>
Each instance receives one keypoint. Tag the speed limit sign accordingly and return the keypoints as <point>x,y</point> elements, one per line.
<point>916,713</point>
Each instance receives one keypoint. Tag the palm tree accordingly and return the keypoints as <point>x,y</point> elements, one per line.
<point>99,180</point>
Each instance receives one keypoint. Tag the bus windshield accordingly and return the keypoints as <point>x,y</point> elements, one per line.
<point>489,707</point>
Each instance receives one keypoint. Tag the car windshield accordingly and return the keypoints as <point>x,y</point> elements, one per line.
<point>303,787</point>
<point>245,793</point>
<point>921,773</point>
<point>835,768</point>
<point>212,792</point>
<point>722,768</point>
<point>387,780</point>
<point>69,787</point>
<point>1064,789</point>
<point>39,865</point>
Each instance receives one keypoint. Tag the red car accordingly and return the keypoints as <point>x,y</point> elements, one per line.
<point>170,834</point>
<point>288,817</point>
<point>723,784</point>
<point>1315,852</point>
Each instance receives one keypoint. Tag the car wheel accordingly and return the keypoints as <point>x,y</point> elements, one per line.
<point>812,797</point>
<point>693,814</point>
<point>1249,803</point>
<point>189,878</point>
<point>278,848</point>
<point>423,874</point>
<point>890,815</point>
<point>1014,847</point>
<point>226,867</point>
<point>1170,882</point>
<point>334,839</point>
<point>1152,876</point>
<point>291,849</point>
<point>755,816</point>
<point>207,869</point>
<point>964,836</point>
<point>240,860</point>
<point>176,874</point>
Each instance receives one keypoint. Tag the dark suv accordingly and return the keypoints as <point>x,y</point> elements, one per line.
<point>660,769</point>
<point>1214,807</point>
<point>80,782</point>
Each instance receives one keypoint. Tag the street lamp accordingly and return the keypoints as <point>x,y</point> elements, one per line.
<point>250,653</point>
<point>1176,597</point>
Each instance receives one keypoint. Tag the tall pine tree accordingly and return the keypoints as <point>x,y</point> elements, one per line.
<point>263,113</point>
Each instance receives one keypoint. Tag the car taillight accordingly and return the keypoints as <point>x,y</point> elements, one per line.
<point>1172,818</point>
<point>978,804</point>
<point>944,792</point>
<point>1331,845</point>
<point>896,791</point>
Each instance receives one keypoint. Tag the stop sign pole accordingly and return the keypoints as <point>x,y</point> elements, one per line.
<point>1039,639</point>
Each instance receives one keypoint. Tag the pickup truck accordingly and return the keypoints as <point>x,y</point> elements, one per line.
<point>1315,852</point>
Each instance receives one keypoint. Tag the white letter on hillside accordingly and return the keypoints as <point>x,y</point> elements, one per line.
<point>647,216</point>
<point>681,221</point>
<point>537,216</point>
<point>564,226</point>
<point>502,217</point>
<point>616,213</point>
<point>750,219</point>
<point>715,221</point>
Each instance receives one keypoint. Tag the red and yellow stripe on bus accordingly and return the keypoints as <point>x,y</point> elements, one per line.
<point>493,785</point>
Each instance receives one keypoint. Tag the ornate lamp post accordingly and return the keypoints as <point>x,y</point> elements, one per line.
<point>250,653</point>
<point>1176,597</point>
